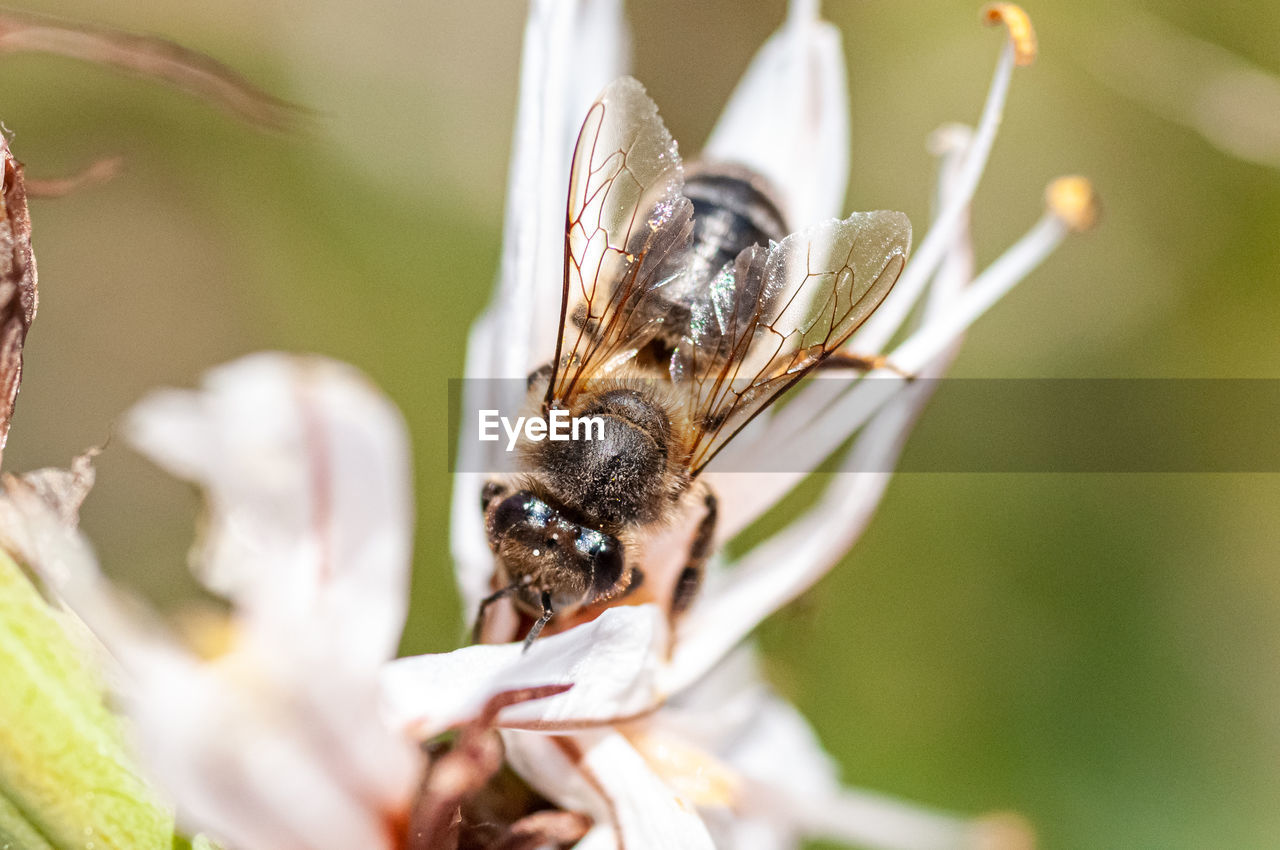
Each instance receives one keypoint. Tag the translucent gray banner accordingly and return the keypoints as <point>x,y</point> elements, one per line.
<point>969,425</point>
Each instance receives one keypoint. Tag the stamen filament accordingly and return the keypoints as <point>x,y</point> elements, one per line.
<point>886,321</point>
<point>825,433</point>
<point>988,288</point>
<point>951,217</point>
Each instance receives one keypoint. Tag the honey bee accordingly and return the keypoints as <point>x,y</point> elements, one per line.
<point>687,309</point>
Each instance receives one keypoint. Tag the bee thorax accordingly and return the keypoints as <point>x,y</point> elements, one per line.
<point>621,478</point>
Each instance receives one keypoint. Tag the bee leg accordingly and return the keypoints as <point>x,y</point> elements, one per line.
<point>690,578</point>
<point>484,606</point>
<point>860,362</point>
<point>542,621</point>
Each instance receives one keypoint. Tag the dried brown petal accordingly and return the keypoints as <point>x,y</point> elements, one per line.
<point>17,286</point>
<point>542,829</point>
<point>64,490</point>
<point>462,770</point>
<point>146,56</point>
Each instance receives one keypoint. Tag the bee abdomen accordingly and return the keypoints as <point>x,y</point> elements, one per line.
<point>732,210</point>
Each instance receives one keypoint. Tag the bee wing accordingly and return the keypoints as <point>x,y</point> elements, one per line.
<point>776,314</point>
<point>625,216</point>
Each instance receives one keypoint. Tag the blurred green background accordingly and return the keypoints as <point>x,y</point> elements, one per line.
<point>1098,652</point>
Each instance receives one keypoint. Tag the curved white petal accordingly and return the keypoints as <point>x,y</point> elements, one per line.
<point>611,662</point>
<point>788,119</point>
<point>572,49</point>
<point>233,744</point>
<point>744,497</point>
<point>788,786</point>
<point>602,775</point>
<point>305,468</point>
<point>255,779</point>
<point>826,432</point>
<point>472,559</point>
<point>739,719</point>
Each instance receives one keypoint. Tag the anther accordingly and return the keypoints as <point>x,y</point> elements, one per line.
<point>1021,33</point>
<point>1073,200</point>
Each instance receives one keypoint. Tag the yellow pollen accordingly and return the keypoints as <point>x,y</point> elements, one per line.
<point>689,771</point>
<point>209,631</point>
<point>1020,29</point>
<point>1073,200</point>
<point>1004,831</point>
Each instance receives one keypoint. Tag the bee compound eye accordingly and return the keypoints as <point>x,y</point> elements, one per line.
<point>517,508</point>
<point>606,557</point>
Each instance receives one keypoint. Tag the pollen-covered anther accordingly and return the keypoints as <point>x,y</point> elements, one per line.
<point>1004,831</point>
<point>209,632</point>
<point>949,138</point>
<point>690,771</point>
<point>1018,23</point>
<point>1073,200</point>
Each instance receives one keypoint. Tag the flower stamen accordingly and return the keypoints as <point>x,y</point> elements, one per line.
<point>688,770</point>
<point>886,321</point>
<point>1021,33</point>
<point>1073,200</point>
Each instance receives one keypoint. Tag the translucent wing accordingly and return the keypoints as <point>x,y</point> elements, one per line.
<point>777,313</point>
<point>625,217</point>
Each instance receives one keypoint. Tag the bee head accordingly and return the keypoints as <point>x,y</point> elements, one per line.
<point>541,549</point>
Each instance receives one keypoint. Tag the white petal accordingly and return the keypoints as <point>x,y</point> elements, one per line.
<point>745,496</point>
<point>737,717</point>
<point>256,781</point>
<point>602,775</point>
<point>825,433</point>
<point>233,745</point>
<point>790,787</point>
<point>611,662</point>
<point>648,814</point>
<point>852,497</point>
<point>305,468</point>
<point>472,559</point>
<point>789,118</point>
<point>750,831</point>
<point>572,49</point>
<point>62,559</point>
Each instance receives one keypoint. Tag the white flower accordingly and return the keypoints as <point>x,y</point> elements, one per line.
<point>678,744</point>
<point>274,741</point>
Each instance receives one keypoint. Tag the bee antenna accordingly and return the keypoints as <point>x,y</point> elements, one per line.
<point>542,621</point>
<point>484,606</point>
